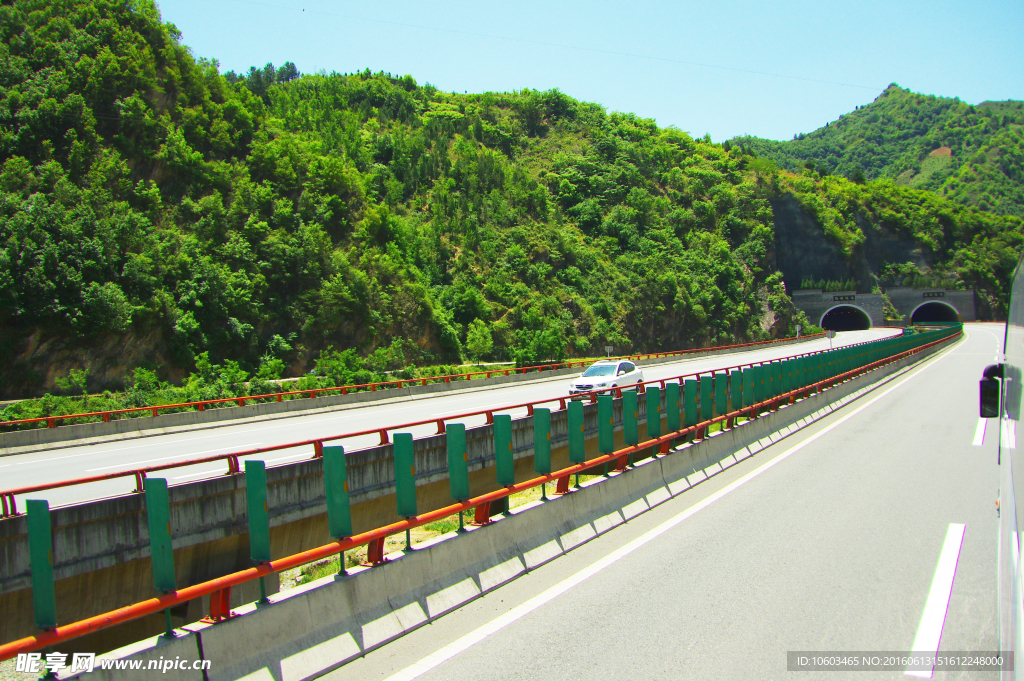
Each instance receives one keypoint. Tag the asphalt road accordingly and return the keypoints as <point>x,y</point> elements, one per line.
<point>827,541</point>
<point>62,463</point>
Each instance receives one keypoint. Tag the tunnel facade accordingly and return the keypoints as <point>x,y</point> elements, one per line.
<point>934,311</point>
<point>817,305</point>
<point>845,318</point>
<point>918,306</point>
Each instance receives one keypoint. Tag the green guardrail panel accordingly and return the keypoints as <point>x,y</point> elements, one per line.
<point>653,398</point>
<point>339,513</point>
<point>630,418</point>
<point>721,393</point>
<point>691,402</point>
<point>405,475</point>
<point>158,517</point>
<point>748,386</point>
<point>458,461</point>
<point>735,390</point>
<point>256,506</point>
<point>605,424</point>
<point>504,462</point>
<point>673,404</point>
<point>40,553</point>
<point>707,398</point>
<point>577,433</point>
<point>542,440</point>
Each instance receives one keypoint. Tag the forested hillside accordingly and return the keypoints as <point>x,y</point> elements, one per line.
<point>156,213</point>
<point>973,155</point>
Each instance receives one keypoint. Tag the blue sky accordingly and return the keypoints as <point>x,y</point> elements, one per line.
<point>725,68</point>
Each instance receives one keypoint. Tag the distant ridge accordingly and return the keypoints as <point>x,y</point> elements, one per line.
<point>971,154</point>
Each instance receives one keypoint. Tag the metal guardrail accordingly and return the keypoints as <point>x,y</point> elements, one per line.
<point>8,501</point>
<point>105,416</point>
<point>219,588</point>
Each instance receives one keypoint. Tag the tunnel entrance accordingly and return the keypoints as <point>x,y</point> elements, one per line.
<point>845,318</point>
<point>934,312</point>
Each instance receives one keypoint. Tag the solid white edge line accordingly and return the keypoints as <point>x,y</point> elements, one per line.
<point>465,642</point>
<point>929,632</point>
<point>979,432</point>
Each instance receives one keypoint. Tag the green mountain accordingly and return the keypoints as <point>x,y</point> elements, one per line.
<point>973,155</point>
<point>156,213</point>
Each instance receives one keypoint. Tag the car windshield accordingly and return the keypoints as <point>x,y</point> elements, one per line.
<point>600,370</point>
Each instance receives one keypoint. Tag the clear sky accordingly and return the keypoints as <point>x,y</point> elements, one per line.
<point>726,68</point>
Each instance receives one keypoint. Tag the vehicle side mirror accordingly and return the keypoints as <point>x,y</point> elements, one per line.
<point>990,389</point>
<point>621,372</point>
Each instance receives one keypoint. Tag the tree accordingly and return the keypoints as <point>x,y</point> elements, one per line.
<point>287,72</point>
<point>478,339</point>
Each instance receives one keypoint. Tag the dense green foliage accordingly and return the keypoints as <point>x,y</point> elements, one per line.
<point>964,247</point>
<point>973,155</point>
<point>215,382</point>
<point>227,228</point>
<point>143,193</point>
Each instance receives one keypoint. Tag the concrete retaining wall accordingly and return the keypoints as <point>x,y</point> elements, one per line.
<point>307,631</point>
<point>22,441</point>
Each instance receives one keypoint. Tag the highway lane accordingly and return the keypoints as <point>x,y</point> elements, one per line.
<point>827,541</point>
<point>64,462</point>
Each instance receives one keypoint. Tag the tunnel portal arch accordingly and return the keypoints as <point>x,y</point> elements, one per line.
<point>845,317</point>
<point>934,311</point>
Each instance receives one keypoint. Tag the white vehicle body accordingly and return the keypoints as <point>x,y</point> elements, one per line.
<point>605,375</point>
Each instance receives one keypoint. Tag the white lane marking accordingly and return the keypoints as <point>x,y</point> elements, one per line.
<point>178,456</point>
<point>116,451</point>
<point>929,632</point>
<point>219,471</point>
<point>498,623</point>
<point>979,432</point>
<point>1009,430</point>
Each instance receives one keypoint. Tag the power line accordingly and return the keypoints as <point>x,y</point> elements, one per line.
<point>544,43</point>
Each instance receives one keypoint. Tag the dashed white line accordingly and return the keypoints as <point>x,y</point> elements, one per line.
<point>979,432</point>
<point>929,632</point>
<point>178,456</point>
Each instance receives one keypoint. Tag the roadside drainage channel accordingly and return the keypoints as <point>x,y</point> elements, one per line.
<point>42,439</point>
<point>310,630</point>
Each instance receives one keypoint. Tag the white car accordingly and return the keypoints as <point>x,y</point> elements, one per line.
<point>606,374</point>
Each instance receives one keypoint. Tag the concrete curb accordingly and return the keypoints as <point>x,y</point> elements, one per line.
<point>308,631</point>
<point>38,439</point>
